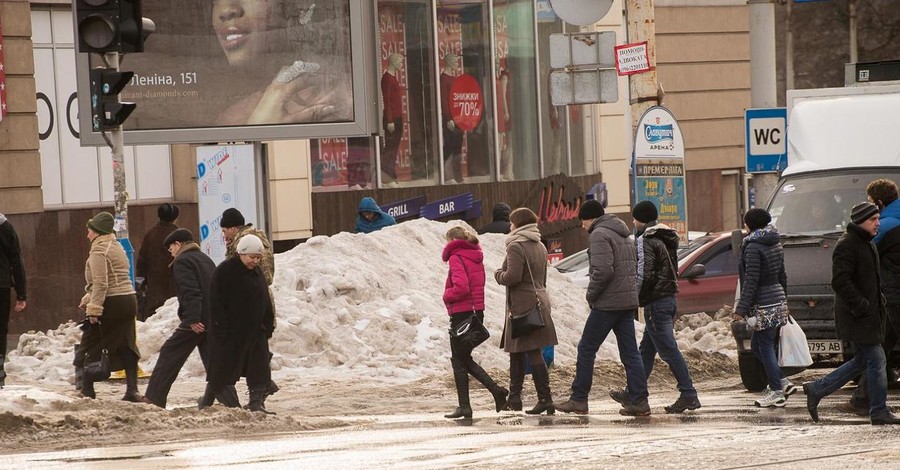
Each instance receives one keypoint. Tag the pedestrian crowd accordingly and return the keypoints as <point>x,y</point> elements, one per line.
<point>227,312</point>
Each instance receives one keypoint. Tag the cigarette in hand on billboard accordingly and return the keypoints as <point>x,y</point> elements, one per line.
<point>289,73</point>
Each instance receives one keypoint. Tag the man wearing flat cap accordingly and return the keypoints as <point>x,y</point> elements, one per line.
<point>859,316</point>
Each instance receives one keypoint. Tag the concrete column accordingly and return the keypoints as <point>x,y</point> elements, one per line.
<point>643,87</point>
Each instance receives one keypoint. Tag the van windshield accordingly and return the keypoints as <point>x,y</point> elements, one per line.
<point>819,204</point>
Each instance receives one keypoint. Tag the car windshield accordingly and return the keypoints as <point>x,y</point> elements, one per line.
<point>683,252</point>
<point>572,262</point>
<point>818,204</point>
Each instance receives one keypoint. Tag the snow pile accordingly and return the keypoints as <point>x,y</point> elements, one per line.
<point>371,305</point>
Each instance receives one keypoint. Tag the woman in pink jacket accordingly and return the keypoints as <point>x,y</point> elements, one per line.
<point>464,297</point>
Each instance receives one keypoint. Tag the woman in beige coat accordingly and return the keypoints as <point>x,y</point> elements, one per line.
<point>524,273</point>
<point>110,305</point>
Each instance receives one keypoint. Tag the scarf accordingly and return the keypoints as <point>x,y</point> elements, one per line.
<point>524,233</point>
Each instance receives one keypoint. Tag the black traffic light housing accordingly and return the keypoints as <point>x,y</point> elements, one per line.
<point>110,26</point>
<point>107,112</point>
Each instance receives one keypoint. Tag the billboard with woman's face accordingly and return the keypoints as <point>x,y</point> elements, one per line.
<point>231,70</point>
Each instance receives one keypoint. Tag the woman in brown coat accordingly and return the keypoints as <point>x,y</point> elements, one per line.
<point>110,305</point>
<point>524,273</point>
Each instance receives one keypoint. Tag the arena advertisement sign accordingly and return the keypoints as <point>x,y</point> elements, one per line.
<point>246,70</point>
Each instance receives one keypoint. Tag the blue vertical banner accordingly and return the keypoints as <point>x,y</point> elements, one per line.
<point>659,168</point>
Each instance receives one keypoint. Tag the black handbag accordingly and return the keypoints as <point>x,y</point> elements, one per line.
<point>530,321</point>
<point>97,371</point>
<point>470,333</point>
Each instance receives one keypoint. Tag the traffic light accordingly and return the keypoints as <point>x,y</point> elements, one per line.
<point>106,111</point>
<point>111,26</point>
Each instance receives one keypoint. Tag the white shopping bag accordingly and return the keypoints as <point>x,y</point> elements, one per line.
<point>792,348</point>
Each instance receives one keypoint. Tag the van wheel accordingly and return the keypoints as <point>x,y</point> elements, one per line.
<point>753,375</point>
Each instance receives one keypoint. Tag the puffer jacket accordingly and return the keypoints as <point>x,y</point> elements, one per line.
<point>859,315</point>
<point>762,274</point>
<point>464,289</point>
<point>657,257</point>
<point>888,243</point>
<point>382,219</point>
<point>106,273</point>
<point>613,265</point>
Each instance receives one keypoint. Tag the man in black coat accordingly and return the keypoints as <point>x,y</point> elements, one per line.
<point>12,275</point>
<point>657,247</point>
<point>192,273</point>
<point>500,224</point>
<point>241,321</point>
<point>859,316</point>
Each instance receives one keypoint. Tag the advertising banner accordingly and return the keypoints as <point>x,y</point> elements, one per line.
<point>329,162</point>
<point>659,168</point>
<point>226,178</point>
<point>236,69</point>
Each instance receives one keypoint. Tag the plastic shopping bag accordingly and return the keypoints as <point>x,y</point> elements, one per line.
<point>792,348</point>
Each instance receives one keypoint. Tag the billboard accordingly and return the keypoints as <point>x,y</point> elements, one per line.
<point>249,70</point>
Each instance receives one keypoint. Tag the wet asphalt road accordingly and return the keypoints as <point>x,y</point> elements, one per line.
<point>726,433</point>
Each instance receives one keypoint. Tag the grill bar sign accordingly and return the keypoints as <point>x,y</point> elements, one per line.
<point>404,209</point>
<point>447,207</point>
<point>632,58</point>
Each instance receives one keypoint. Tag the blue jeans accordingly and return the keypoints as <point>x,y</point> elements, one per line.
<point>659,337</point>
<point>596,329</point>
<point>762,343</point>
<point>869,358</point>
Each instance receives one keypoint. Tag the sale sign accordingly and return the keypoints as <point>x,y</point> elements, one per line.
<point>466,102</point>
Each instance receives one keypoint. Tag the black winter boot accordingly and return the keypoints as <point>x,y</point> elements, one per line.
<point>257,400</point>
<point>207,399</point>
<point>87,389</point>
<point>541,377</point>
<point>229,397</point>
<point>499,393</point>
<point>79,377</point>
<point>131,388</point>
<point>461,379</point>
<point>516,380</point>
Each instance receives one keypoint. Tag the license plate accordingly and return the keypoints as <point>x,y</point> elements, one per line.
<point>826,347</point>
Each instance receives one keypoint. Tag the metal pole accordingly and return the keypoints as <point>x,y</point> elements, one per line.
<point>763,89</point>
<point>853,48</point>
<point>117,143</point>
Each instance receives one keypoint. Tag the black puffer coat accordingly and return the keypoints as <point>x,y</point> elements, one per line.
<point>659,246</point>
<point>763,278</point>
<point>858,310</point>
<point>889,253</point>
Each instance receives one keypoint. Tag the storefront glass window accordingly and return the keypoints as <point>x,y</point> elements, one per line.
<point>466,88</point>
<point>516,86</point>
<point>342,163</point>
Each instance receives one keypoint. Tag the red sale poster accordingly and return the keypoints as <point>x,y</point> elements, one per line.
<point>450,42</point>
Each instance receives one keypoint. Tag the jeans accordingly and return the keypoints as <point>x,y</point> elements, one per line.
<point>596,329</point>
<point>659,337</point>
<point>762,343</point>
<point>869,358</point>
<point>861,394</point>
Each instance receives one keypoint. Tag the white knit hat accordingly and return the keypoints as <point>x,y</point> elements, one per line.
<point>250,245</point>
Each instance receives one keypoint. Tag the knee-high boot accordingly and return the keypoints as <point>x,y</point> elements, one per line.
<point>499,393</point>
<point>461,378</point>
<point>542,384</point>
<point>516,380</point>
<point>131,378</point>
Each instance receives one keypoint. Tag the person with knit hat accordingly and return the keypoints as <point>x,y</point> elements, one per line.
<point>657,285</point>
<point>110,299</point>
<point>241,320</point>
<point>613,300</point>
<point>152,261</point>
<point>763,302</point>
<point>859,316</point>
<point>192,273</point>
<point>234,228</point>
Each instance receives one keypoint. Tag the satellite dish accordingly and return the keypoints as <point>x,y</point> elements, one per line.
<point>581,12</point>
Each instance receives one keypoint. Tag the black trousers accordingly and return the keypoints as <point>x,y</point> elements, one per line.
<point>5,299</point>
<point>391,147</point>
<point>172,356</point>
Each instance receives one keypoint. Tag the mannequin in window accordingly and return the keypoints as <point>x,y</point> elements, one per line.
<point>453,136</point>
<point>504,122</point>
<point>392,117</point>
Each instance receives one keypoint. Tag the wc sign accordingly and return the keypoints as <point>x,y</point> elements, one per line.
<point>766,139</point>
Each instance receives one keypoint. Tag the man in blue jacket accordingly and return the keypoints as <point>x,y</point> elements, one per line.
<point>371,217</point>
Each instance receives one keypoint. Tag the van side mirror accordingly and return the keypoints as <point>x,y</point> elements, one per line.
<point>694,271</point>
<point>737,236</point>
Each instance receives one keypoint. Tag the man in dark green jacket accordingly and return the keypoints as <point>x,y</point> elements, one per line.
<point>859,316</point>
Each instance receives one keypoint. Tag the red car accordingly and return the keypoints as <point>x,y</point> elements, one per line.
<point>707,274</point>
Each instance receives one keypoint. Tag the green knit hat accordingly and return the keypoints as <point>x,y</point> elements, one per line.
<point>102,223</point>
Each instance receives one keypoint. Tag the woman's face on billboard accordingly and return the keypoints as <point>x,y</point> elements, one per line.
<point>248,28</point>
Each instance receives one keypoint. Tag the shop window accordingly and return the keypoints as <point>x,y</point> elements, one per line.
<point>342,163</point>
<point>516,90</point>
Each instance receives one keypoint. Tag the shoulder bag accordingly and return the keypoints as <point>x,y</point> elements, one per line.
<point>99,370</point>
<point>530,321</point>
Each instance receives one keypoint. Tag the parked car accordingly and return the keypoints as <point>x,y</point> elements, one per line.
<point>707,273</point>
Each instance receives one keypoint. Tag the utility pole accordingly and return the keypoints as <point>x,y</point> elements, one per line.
<point>853,46</point>
<point>763,90</point>
<point>645,90</point>
<point>117,144</point>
